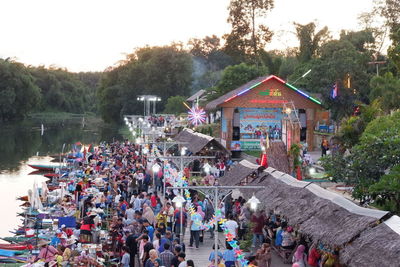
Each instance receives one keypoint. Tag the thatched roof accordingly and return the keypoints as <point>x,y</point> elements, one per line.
<point>376,247</point>
<point>276,155</point>
<point>195,142</point>
<point>325,216</point>
<point>238,172</point>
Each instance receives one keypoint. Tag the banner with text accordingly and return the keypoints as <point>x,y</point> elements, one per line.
<point>259,122</point>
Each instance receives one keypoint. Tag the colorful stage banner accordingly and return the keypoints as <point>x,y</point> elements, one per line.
<point>256,123</point>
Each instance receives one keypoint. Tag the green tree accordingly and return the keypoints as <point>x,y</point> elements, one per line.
<point>162,71</point>
<point>287,67</point>
<point>386,89</point>
<point>247,36</point>
<point>387,191</point>
<point>18,92</point>
<point>344,62</point>
<point>352,127</point>
<point>272,60</point>
<point>235,76</point>
<point>378,150</point>
<point>63,90</point>
<point>175,105</point>
<point>209,51</point>
<point>390,11</point>
<point>310,41</point>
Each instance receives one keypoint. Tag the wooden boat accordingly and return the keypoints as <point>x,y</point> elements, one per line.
<point>17,239</point>
<point>43,167</point>
<point>15,247</point>
<point>23,198</point>
<point>11,253</point>
<point>35,173</point>
<point>51,175</point>
<point>13,259</point>
<point>25,204</point>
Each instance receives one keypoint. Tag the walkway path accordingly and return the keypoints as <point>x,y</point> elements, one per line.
<point>200,256</point>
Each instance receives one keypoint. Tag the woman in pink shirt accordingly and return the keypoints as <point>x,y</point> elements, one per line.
<point>47,253</point>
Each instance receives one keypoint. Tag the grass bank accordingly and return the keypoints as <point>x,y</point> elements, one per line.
<point>53,117</point>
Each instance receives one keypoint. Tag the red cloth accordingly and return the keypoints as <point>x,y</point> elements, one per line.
<point>87,227</point>
<point>313,257</point>
<point>264,160</point>
<point>258,223</point>
<point>153,200</point>
<point>298,174</point>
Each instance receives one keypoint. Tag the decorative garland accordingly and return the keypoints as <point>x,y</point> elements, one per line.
<point>218,216</point>
<point>179,180</point>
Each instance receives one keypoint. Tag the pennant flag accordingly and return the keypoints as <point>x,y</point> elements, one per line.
<point>335,91</point>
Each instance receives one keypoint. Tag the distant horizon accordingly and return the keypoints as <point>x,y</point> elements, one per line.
<point>95,35</point>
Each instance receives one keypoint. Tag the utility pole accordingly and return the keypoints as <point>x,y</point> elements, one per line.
<point>377,63</point>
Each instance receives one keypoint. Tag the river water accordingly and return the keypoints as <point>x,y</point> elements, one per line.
<point>23,143</point>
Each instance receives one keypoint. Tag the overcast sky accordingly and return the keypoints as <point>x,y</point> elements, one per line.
<point>84,35</point>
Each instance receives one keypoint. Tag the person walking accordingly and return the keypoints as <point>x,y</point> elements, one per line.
<point>182,260</point>
<point>195,227</point>
<point>324,146</point>
<point>166,256</point>
<point>258,219</point>
<point>180,223</point>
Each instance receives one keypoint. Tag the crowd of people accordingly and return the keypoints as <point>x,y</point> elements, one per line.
<point>117,189</point>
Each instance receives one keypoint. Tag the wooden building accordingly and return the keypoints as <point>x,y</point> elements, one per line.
<point>266,106</point>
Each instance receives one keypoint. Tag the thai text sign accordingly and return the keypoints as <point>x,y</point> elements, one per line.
<point>271,92</point>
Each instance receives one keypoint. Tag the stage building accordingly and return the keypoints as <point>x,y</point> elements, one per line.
<point>267,106</point>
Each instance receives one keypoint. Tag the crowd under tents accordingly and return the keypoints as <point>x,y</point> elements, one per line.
<point>200,144</point>
<point>324,216</point>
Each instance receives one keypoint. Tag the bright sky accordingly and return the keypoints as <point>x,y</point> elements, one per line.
<point>84,35</point>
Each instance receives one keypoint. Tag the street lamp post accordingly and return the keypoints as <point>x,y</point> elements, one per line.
<point>179,200</point>
<point>253,203</point>
<point>156,169</point>
<point>147,99</point>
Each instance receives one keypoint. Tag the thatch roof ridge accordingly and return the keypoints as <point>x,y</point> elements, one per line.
<point>315,190</point>
<point>196,141</point>
<point>315,216</point>
<point>376,247</point>
<point>238,172</point>
<point>345,203</point>
<point>394,224</point>
<point>318,212</point>
<point>190,131</point>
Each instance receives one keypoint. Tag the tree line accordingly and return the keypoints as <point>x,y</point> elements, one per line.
<point>368,143</point>
<point>220,64</point>
<point>27,89</point>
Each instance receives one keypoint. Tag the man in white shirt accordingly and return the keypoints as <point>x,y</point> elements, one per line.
<point>133,198</point>
<point>169,212</point>
<point>232,226</point>
<point>137,204</point>
<point>130,215</point>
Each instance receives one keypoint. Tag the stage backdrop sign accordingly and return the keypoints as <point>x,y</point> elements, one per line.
<point>258,122</point>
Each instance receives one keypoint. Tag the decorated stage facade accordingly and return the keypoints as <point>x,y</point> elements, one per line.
<point>267,107</point>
